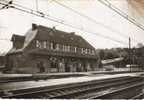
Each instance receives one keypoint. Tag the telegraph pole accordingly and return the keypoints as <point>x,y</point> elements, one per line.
<point>37,5</point>
<point>130,52</point>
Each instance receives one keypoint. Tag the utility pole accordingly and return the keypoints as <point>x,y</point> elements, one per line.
<point>130,52</point>
<point>37,5</point>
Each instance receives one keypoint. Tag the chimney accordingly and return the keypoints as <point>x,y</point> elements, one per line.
<point>72,33</point>
<point>54,28</point>
<point>34,26</point>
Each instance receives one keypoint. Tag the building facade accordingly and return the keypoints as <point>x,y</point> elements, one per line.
<point>46,50</point>
<point>2,62</point>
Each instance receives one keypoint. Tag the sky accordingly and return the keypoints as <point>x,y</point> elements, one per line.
<point>107,22</point>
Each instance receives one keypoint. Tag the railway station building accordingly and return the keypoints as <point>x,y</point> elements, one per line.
<point>46,50</point>
<point>2,62</point>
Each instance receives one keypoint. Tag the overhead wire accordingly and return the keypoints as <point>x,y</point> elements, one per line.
<point>5,39</point>
<point>33,12</point>
<point>5,6</point>
<point>121,13</point>
<point>92,20</point>
<point>36,5</point>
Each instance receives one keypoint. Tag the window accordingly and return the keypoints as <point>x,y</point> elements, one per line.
<point>75,49</point>
<point>86,51</point>
<point>54,46</point>
<point>72,49</point>
<point>45,44</point>
<point>79,50</point>
<point>38,44</point>
<point>63,48</point>
<point>57,47</point>
<point>51,45</point>
<point>89,51</point>
<point>68,48</point>
<point>48,45</point>
<point>82,50</point>
<point>93,52</point>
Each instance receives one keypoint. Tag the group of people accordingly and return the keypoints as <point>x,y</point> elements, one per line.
<point>63,67</point>
<point>40,66</point>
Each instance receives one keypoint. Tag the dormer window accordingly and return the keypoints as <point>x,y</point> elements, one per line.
<point>38,44</point>
<point>72,33</point>
<point>34,26</point>
<point>45,44</point>
<point>18,41</point>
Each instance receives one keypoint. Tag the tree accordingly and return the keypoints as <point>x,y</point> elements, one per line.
<point>140,45</point>
<point>101,54</point>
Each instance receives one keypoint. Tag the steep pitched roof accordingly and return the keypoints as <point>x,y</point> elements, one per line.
<point>29,36</point>
<point>17,38</point>
<point>57,36</point>
<point>45,33</point>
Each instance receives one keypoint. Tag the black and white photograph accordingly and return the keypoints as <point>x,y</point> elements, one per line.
<point>71,49</point>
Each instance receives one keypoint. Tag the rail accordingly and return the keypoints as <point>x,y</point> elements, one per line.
<point>36,77</point>
<point>120,92</point>
<point>78,90</point>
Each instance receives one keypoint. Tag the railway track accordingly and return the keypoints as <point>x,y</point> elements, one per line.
<point>139,96</point>
<point>91,89</point>
<point>125,92</point>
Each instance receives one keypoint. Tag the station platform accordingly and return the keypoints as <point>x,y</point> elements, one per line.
<point>62,81</point>
<point>65,74</point>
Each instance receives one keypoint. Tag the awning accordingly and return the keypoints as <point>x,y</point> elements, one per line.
<point>109,61</point>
